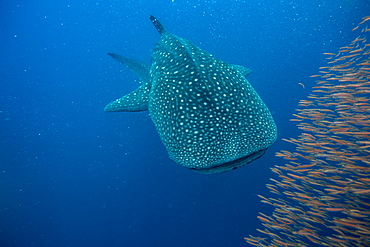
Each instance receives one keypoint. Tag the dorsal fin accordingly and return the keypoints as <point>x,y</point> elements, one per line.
<point>157,24</point>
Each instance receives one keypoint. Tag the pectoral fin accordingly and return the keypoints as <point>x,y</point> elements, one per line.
<point>134,101</point>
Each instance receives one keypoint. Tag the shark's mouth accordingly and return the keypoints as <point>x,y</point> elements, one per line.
<point>232,165</point>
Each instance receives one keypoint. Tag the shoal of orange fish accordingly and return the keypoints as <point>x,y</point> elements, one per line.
<point>341,173</point>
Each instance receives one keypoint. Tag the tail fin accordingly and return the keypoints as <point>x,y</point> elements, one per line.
<point>157,24</point>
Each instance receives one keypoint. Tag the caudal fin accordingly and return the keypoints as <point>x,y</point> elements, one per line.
<point>157,24</point>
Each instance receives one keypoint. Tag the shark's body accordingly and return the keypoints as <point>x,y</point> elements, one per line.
<point>207,114</point>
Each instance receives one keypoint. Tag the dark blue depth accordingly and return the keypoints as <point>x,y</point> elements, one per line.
<point>74,175</point>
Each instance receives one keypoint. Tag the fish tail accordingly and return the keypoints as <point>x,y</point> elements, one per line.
<point>157,24</point>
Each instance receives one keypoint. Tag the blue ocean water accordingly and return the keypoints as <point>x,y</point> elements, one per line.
<point>74,175</point>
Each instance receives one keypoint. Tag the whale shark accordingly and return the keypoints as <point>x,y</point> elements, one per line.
<point>207,114</point>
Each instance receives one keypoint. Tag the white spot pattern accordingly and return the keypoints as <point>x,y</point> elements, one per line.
<point>206,113</point>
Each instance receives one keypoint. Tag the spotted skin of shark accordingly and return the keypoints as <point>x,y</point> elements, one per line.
<point>207,114</point>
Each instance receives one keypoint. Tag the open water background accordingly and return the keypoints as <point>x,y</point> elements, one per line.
<point>73,175</point>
